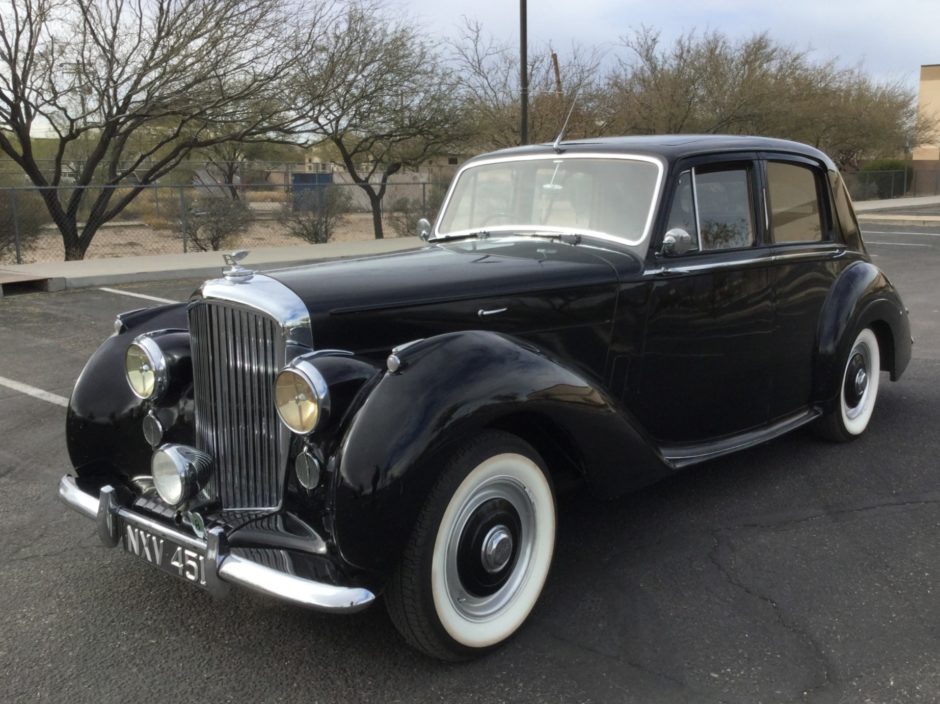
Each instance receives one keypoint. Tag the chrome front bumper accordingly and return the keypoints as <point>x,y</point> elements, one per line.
<point>222,568</point>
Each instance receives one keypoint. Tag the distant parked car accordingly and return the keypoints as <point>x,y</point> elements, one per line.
<point>600,312</point>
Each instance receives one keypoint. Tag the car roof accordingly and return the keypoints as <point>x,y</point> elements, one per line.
<point>670,147</point>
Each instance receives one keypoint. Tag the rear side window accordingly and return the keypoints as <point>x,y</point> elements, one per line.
<point>844,211</point>
<point>794,203</point>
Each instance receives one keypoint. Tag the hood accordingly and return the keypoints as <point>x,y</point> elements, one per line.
<point>444,272</point>
<point>374,303</point>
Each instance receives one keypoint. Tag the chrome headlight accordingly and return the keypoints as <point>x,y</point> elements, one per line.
<point>301,397</point>
<point>145,368</point>
<point>179,472</point>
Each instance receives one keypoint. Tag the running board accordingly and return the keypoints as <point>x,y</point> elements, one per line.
<point>680,456</point>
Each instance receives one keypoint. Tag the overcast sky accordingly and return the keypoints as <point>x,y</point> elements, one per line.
<point>890,38</point>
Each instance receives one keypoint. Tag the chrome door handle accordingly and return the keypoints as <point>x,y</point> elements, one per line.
<point>482,313</point>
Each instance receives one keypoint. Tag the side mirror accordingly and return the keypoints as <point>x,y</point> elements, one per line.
<point>424,229</point>
<point>676,241</point>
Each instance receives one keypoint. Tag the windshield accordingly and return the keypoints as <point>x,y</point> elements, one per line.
<point>606,196</point>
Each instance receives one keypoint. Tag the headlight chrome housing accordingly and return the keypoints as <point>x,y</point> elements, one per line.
<point>145,368</point>
<point>179,472</point>
<point>301,396</point>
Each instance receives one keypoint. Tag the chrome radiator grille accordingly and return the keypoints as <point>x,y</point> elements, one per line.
<point>236,353</point>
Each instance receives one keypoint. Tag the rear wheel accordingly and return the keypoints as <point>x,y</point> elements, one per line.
<point>480,552</point>
<point>858,390</point>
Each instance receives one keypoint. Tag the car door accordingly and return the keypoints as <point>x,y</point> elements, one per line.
<point>808,257</point>
<point>704,369</point>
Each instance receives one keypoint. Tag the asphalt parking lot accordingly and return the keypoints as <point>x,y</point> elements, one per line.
<point>797,571</point>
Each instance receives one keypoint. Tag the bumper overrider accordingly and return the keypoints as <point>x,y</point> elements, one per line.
<point>208,563</point>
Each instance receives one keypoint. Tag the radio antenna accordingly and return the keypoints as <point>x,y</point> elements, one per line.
<point>557,143</point>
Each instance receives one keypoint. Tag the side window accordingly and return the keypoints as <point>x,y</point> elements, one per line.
<point>682,213</point>
<point>794,203</point>
<point>725,207</point>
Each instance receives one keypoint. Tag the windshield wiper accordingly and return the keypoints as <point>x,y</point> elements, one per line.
<point>479,234</point>
<point>566,237</point>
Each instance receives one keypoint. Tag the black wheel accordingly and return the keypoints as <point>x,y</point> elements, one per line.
<point>480,551</point>
<point>858,391</point>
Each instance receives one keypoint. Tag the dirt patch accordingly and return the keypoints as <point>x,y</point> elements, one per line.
<point>138,239</point>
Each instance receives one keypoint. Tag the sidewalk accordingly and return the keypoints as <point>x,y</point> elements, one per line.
<point>55,276</point>
<point>921,210</point>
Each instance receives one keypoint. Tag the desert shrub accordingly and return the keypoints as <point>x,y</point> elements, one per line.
<point>213,222</point>
<point>404,213</point>
<point>317,213</point>
<point>31,215</point>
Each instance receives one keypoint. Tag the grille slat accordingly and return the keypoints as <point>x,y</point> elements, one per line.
<point>236,354</point>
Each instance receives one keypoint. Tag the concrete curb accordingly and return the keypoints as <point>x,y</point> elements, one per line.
<point>915,220</point>
<point>55,276</point>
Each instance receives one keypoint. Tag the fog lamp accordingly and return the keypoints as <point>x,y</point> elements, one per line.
<point>301,397</point>
<point>179,472</point>
<point>307,469</point>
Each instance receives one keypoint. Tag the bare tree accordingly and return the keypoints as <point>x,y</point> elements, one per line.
<point>128,88</point>
<point>489,86</point>
<point>378,93</point>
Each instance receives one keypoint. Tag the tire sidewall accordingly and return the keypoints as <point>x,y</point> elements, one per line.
<point>467,467</point>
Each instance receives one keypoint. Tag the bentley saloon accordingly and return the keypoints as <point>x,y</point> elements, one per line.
<point>600,313</point>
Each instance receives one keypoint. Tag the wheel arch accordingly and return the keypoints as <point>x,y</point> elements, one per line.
<point>560,452</point>
<point>449,388</point>
<point>861,297</point>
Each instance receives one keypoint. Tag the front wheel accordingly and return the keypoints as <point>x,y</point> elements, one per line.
<point>480,551</point>
<point>858,391</point>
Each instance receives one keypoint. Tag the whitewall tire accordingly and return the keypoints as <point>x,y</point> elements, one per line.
<point>480,553</point>
<point>858,390</point>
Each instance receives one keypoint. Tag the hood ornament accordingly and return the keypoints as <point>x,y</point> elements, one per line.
<point>236,272</point>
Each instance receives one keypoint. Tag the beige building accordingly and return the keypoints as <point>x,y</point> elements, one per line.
<point>928,105</point>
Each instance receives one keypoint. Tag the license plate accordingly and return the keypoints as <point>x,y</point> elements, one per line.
<point>163,553</point>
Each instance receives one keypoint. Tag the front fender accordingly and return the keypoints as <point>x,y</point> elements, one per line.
<point>447,389</point>
<point>861,297</point>
<point>103,422</point>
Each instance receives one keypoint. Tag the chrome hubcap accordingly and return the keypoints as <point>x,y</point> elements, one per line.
<point>497,549</point>
<point>861,381</point>
<point>489,548</point>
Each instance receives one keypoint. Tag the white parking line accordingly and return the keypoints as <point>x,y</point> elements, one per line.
<point>137,295</point>
<point>34,392</point>
<point>899,244</point>
<point>883,232</point>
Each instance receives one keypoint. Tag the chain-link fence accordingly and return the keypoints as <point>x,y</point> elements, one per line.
<point>878,185</point>
<point>164,219</point>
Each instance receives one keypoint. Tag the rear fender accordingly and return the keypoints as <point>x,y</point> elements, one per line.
<point>861,297</point>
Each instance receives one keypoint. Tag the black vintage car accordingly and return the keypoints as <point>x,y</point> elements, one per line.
<point>599,313</point>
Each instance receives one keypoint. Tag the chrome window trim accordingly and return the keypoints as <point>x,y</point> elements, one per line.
<point>266,295</point>
<point>438,236</point>
<point>827,252</point>
<point>764,255</point>
<point>698,220</point>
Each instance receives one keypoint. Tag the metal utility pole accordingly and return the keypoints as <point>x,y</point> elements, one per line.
<point>523,75</point>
